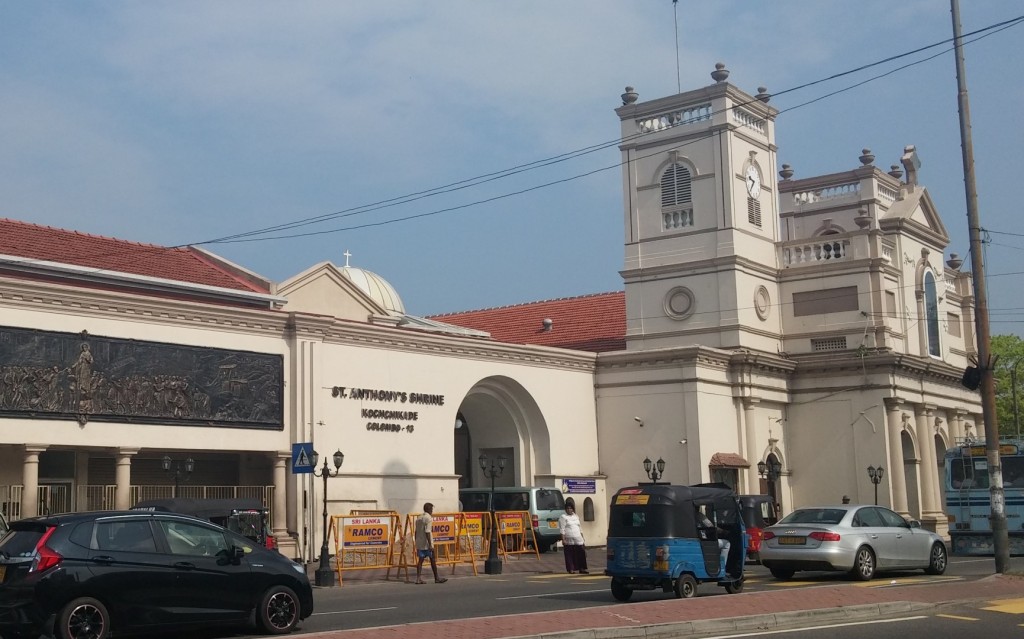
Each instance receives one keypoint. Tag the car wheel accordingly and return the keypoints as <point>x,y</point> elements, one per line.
<point>686,586</point>
<point>782,574</point>
<point>83,618</point>
<point>621,591</point>
<point>278,610</point>
<point>863,564</point>
<point>937,560</point>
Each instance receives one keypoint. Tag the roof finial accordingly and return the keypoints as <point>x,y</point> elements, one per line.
<point>347,255</point>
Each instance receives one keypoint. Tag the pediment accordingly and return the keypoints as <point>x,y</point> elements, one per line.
<point>916,213</point>
<point>323,290</point>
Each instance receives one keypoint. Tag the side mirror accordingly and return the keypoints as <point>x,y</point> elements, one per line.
<point>914,523</point>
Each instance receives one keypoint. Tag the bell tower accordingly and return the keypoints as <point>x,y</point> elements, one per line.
<point>701,219</point>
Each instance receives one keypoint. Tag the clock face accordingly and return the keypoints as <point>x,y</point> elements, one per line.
<point>753,182</point>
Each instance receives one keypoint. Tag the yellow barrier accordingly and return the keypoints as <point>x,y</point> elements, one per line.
<point>377,539</point>
<point>515,533</point>
<point>365,542</point>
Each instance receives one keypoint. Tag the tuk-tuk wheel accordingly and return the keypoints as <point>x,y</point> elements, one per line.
<point>686,586</point>
<point>734,587</point>
<point>621,591</point>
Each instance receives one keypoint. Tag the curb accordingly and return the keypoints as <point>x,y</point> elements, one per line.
<point>773,621</point>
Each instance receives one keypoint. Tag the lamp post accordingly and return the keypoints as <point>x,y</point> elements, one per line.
<point>492,566</point>
<point>181,474</point>
<point>324,574</point>
<point>771,471</point>
<point>654,470</point>
<point>876,478</point>
<point>1013,387</point>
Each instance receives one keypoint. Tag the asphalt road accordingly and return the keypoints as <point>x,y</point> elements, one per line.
<point>367,605</point>
<point>376,602</point>
<point>950,622</point>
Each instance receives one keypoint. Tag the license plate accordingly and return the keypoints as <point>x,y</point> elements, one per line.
<point>792,541</point>
<point>552,524</point>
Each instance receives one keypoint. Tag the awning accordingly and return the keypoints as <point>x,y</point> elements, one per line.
<point>728,460</point>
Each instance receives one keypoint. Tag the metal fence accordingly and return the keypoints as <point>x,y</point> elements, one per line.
<point>57,498</point>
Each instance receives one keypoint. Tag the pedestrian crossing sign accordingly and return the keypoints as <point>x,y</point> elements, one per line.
<point>302,458</point>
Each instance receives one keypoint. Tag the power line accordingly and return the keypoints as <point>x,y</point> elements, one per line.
<point>496,175</point>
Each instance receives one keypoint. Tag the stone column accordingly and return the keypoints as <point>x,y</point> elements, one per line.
<point>30,480</point>
<point>749,423</point>
<point>279,525</point>
<point>123,478</point>
<point>956,426</point>
<point>897,471</point>
<point>931,511</point>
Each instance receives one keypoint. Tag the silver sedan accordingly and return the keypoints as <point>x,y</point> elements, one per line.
<point>852,538</point>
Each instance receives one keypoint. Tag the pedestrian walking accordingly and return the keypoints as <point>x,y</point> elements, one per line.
<point>573,545</point>
<point>425,544</point>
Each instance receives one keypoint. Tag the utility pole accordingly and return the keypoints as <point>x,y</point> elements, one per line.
<point>997,518</point>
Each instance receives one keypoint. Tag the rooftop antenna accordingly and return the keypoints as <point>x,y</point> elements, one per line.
<point>675,12</point>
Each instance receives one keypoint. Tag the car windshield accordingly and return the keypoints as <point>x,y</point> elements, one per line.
<point>550,500</point>
<point>830,516</point>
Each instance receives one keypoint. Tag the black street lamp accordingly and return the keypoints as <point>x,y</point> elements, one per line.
<point>324,574</point>
<point>181,474</point>
<point>876,478</point>
<point>492,566</point>
<point>770,471</point>
<point>654,470</point>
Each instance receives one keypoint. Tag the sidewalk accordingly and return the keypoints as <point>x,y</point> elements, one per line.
<point>673,617</point>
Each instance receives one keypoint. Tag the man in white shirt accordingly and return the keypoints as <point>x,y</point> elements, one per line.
<point>425,544</point>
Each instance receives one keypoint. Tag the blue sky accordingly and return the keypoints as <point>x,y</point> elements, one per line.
<point>181,122</point>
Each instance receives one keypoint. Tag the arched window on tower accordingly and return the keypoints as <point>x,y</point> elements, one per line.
<point>676,200</point>
<point>931,309</point>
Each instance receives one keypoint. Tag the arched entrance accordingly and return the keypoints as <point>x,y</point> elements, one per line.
<point>498,417</point>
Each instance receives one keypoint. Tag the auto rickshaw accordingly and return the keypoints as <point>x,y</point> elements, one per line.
<point>668,537</point>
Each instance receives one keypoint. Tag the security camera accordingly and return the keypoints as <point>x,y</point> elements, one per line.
<point>638,420</point>
<point>682,441</point>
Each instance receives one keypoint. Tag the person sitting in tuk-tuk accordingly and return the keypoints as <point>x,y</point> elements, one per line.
<point>708,530</point>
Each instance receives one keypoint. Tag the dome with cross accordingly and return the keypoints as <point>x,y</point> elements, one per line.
<point>378,288</point>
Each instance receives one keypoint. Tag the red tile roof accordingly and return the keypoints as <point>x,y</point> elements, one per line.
<point>595,323</point>
<point>45,243</point>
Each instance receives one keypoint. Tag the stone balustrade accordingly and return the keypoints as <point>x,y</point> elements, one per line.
<point>678,117</point>
<point>749,120</point>
<point>827,193</point>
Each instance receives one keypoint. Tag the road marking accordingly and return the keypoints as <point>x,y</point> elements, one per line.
<point>348,612</point>
<point>1009,606</point>
<point>551,594</point>
<point>958,617</point>
<point>836,625</point>
<point>905,581</point>
<point>787,584</point>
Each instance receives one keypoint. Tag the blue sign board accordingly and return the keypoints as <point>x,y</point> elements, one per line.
<point>579,486</point>
<point>302,458</point>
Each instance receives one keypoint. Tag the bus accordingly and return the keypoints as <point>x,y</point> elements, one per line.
<point>968,503</point>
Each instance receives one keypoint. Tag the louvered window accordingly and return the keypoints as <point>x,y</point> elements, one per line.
<point>754,212</point>
<point>675,186</point>
<point>676,205</point>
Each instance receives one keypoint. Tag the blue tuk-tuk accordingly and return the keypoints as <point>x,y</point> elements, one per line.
<point>674,538</point>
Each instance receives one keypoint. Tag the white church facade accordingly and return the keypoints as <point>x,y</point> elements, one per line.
<point>810,324</point>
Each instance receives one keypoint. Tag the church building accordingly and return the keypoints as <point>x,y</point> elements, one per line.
<point>777,333</point>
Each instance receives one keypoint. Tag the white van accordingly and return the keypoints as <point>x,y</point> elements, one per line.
<point>545,506</point>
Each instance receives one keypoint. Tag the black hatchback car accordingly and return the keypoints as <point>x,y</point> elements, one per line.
<point>87,575</point>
